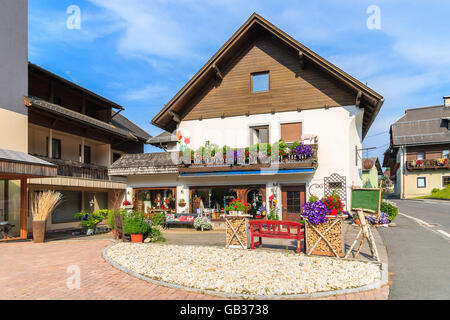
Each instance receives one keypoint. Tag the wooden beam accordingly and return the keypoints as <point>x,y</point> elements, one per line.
<point>175,116</point>
<point>301,58</point>
<point>23,208</point>
<point>217,71</point>
<point>358,98</point>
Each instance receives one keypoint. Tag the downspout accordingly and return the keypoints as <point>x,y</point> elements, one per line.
<point>403,171</point>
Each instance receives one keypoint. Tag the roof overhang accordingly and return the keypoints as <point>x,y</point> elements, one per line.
<point>370,100</point>
<point>16,164</point>
<point>57,110</point>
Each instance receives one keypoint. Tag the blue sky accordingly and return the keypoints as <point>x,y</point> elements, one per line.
<point>139,53</point>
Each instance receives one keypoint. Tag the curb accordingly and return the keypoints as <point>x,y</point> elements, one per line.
<point>376,285</point>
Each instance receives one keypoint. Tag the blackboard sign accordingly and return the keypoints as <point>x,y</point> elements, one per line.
<point>366,199</point>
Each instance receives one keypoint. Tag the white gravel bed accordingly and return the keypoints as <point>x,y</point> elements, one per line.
<point>257,272</point>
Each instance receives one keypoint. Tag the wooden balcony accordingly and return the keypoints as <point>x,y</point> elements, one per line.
<point>68,168</point>
<point>429,164</point>
<point>286,162</point>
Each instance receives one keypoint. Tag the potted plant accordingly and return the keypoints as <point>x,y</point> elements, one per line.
<point>202,223</point>
<point>237,207</point>
<point>136,226</point>
<point>127,204</point>
<point>181,203</point>
<point>110,219</point>
<point>42,207</point>
<point>90,220</point>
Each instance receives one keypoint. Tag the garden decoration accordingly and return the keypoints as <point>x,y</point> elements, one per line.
<point>323,231</point>
<point>41,208</point>
<point>237,231</point>
<point>366,233</point>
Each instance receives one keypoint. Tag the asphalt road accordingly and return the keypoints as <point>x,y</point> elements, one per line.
<point>431,211</point>
<point>419,255</point>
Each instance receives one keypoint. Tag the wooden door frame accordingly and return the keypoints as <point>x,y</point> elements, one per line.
<point>296,187</point>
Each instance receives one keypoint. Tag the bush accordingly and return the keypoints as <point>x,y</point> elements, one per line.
<point>111,215</point>
<point>158,218</point>
<point>91,220</point>
<point>135,224</point>
<point>155,235</point>
<point>202,222</point>
<point>390,209</point>
<point>435,190</point>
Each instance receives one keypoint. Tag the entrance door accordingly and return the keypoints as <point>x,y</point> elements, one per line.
<point>293,197</point>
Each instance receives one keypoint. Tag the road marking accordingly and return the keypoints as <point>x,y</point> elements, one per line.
<point>427,226</point>
<point>444,233</point>
<point>417,220</point>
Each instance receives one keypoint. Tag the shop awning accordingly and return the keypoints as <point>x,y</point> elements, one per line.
<point>16,164</point>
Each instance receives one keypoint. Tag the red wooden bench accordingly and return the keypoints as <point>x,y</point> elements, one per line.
<point>272,229</point>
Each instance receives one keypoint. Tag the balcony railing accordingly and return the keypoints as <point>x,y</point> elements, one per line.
<point>68,168</point>
<point>429,164</point>
<point>245,159</point>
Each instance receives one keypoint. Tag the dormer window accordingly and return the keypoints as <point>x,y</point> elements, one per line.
<point>260,82</point>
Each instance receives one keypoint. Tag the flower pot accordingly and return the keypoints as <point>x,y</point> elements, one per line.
<point>181,204</point>
<point>357,221</point>
<point>39,228</point>
<point>90,232</point>
<point>137,238</point>
<point>113,231</point>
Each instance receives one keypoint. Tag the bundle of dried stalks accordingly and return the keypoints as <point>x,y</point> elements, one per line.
<point>44,203</point>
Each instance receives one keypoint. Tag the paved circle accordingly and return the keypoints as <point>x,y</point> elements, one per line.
<point>40,271</point>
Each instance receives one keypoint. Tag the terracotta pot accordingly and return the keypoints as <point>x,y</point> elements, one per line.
<point>181,204</point>
<point>113,231</point>
<point>39,228</point>
<point>357,221</point>
<point>137,238</point>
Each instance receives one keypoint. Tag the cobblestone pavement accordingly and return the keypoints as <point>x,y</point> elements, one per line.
<point>40,271</point>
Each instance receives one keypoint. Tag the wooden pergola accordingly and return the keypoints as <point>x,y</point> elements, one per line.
<point>15,165</point>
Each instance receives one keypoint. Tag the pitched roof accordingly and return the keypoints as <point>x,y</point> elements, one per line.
<point>78,117</point>
<point>371,101</point>
<point>163,137</point>
<point>34,67</point>
<point>422,126</point>
<point>145,163</point>
<point>124,123</point>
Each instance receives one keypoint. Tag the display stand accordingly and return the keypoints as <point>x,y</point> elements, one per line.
<point>366,234</point>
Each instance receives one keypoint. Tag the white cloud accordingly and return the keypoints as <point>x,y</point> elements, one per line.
<point>150,91</point>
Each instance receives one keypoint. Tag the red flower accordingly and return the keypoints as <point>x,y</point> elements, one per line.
<point>187,140</point>
<point>271,198</point>
<point>333,212</point>
<point>179,135</point>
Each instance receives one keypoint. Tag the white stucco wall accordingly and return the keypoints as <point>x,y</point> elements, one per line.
<point>339,130</point>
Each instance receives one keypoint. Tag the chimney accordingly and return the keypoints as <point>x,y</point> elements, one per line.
<point>447,101</point>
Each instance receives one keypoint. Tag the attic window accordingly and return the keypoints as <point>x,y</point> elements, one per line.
<point>260,81</point>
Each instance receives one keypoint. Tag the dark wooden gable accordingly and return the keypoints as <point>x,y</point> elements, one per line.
<point>293,86</point>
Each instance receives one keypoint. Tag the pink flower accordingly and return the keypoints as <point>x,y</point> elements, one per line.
<point>187,140</point>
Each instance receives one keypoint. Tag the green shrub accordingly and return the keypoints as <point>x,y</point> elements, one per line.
<point>202,222</point>
<point>435,190</point>
<point>155,235</point>
<point>135,224</point>
<point>313,198</point>
<point>158,218</point>
<point>390,209</point>
<point>90,220</point>
<point>111,215</point>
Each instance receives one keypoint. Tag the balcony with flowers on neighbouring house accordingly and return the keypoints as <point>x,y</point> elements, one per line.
<point>428,164</point>
<point>260,156</point>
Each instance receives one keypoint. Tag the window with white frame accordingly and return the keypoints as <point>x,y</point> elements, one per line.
<point>421,182</point>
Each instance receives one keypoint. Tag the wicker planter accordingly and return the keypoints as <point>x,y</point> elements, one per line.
<point>333,236</point>
<point>39,228</point>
